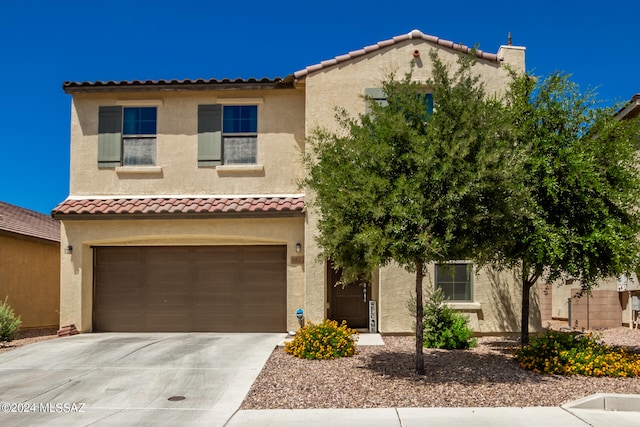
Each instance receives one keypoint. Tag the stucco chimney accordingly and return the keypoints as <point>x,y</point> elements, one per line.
<point>513,56</point>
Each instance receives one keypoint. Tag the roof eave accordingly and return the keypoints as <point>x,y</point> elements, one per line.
<point>178,85</point>
<point>632,109</point>
<point>29,237</point>
<point>186,215</point>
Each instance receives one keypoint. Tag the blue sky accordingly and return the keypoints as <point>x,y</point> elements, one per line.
<point>44,43</point>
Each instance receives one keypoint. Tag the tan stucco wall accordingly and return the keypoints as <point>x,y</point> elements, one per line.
<point>30,277</point>
<point>495,307</point>
<point>77,268</point>
<point>280,144</point>
<point>560,292</point>
<point>344,86</point>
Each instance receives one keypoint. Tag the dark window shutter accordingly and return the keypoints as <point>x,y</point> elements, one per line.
<point>428,100</point>
<point>209,135</point>
<point>378,95</point>
<point>374,94</point>
<point>109,136</point>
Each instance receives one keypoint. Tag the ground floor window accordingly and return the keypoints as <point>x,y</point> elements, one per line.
<point>455,280</point>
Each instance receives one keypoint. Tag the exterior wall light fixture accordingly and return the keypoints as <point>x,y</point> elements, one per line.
<point>68,249</point>
<point>298,247</point>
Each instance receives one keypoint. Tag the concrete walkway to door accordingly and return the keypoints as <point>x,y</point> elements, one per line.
<point>131,378</point>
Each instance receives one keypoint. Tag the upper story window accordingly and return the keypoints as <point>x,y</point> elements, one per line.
<point>378,96</point>
<point>126,136</point>
<point>227,134</point>
<point>139,136</point>
<point>239,134</point>
<point>455,280</point>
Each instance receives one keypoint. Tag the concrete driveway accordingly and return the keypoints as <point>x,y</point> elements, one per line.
<point>131,378</point>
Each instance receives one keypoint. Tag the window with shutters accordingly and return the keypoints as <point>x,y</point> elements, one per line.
<point>127,136</point>
<point>239,134</point>
<point>378,96</point>
<point>227,134</point>
<point>139,136</point>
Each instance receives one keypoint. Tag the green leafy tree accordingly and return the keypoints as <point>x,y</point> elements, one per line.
<point>404,184</point>
<point>580,213</point>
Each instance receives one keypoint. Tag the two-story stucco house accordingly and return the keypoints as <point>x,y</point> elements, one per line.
<point>185,213</point>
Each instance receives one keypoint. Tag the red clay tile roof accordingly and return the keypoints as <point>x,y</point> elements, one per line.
<point>253,83</point>
<point>415,34</point>
<point>14,219</point>
<point>150,207</point>
<point>187,84</point>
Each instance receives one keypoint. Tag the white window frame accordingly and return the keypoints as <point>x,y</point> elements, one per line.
<point>240,101</point>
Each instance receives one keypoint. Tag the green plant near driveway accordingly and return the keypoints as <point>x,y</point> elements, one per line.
<point>9,322</point>
<point>326,340</point>
<point>568,354</point>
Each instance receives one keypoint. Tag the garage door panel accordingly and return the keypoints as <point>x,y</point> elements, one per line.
<point>166,274</point>
<point>262,284</point>
<point>216,301</point>
<point>224,278</point>
<point>123,256</point>
<point>167,299</point>
<point>224,289</point>
<point>261,304</point>
<point>122,318</point>
<point>117,277</point>
<point>167,322</point>
<point>121,301</point>
<point>171,254</point>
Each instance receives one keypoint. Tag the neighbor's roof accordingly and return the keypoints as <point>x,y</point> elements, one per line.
<point>413,35</point>
<point>17,220</point>
<point>264,83</point>
<point>632,109</point>
<point>157,207</point>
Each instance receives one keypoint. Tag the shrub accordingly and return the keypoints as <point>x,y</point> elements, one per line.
<point>325,340</point>
<point>443,327</point>
<point>564,353</point>
<point>9,323</point>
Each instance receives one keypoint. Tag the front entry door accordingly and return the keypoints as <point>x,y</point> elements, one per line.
<point>350,303</point>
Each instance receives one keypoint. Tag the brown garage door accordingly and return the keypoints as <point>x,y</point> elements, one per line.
<point>190,289</point>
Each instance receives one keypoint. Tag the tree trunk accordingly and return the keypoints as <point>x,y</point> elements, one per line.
<point>524,320</point>
<point>527,284</point>
<point>419,316</point>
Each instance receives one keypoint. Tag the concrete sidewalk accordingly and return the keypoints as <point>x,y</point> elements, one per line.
<point>425,417</point>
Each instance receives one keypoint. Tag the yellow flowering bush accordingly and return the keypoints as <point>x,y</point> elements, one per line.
<point>563,353</point>
<point>326,340</point>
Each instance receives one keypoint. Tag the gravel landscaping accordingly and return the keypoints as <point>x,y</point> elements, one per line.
<point>28,336</point>
<point>383,376</point>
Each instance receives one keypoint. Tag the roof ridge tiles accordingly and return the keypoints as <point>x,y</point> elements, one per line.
<point>412,35</point>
